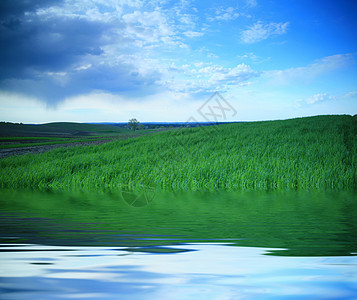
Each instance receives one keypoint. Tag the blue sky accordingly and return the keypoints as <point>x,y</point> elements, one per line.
<point>111,60</point>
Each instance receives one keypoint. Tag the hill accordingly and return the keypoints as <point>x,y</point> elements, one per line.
<point>58,129</point>
<point>305,153</point>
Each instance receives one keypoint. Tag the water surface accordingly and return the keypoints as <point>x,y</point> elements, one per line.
<point>187,245</point>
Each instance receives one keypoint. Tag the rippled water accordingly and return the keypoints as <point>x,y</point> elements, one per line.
<point>148,245</point>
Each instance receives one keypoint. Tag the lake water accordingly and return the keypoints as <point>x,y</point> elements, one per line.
<point>178,245</point>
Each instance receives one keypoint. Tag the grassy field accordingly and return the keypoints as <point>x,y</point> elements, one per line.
<point>21,135</point>
<point>305,153</point>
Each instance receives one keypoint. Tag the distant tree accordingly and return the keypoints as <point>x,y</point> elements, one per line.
<point>133,124</point>
<point>141,127</point>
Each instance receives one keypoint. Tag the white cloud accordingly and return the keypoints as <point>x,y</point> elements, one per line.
<point>225,14</point>
<point>205,77</point>
<point>324,97</point>
<point>249,55</point>
<point>151,28</point>
<point>317,98</point>
<point>236,75</point>
<point>260,31</point>
<point>193,34</point>
<point>352,94</point>
<point>187,19</point>
<point>318,68</point>
<point>251,3</point>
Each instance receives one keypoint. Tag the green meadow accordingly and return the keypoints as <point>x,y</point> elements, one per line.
<point>304,153</point>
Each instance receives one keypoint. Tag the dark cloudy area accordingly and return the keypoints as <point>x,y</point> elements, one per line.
<point>52,56</point>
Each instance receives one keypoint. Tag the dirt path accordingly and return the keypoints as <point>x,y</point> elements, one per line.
<point>42,149</point>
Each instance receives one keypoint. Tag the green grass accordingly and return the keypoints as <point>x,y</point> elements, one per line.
<point>304,153</point>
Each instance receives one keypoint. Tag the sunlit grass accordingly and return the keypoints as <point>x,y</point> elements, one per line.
<point>316,152</point>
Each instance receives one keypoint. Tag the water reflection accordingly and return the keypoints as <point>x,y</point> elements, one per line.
<point>138,198</point>
<point>202,271</point>
<point>148,244</point>
<point>301,224</point>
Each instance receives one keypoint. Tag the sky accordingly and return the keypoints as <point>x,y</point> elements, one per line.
<point>161,60</point>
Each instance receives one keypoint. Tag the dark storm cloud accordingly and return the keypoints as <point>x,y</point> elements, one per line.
<point>15,8</point>
<point>32,44</point>
<point>102,78</point>
<point>35,47</point>
<point>118,78</point>
<point>52,44</point>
